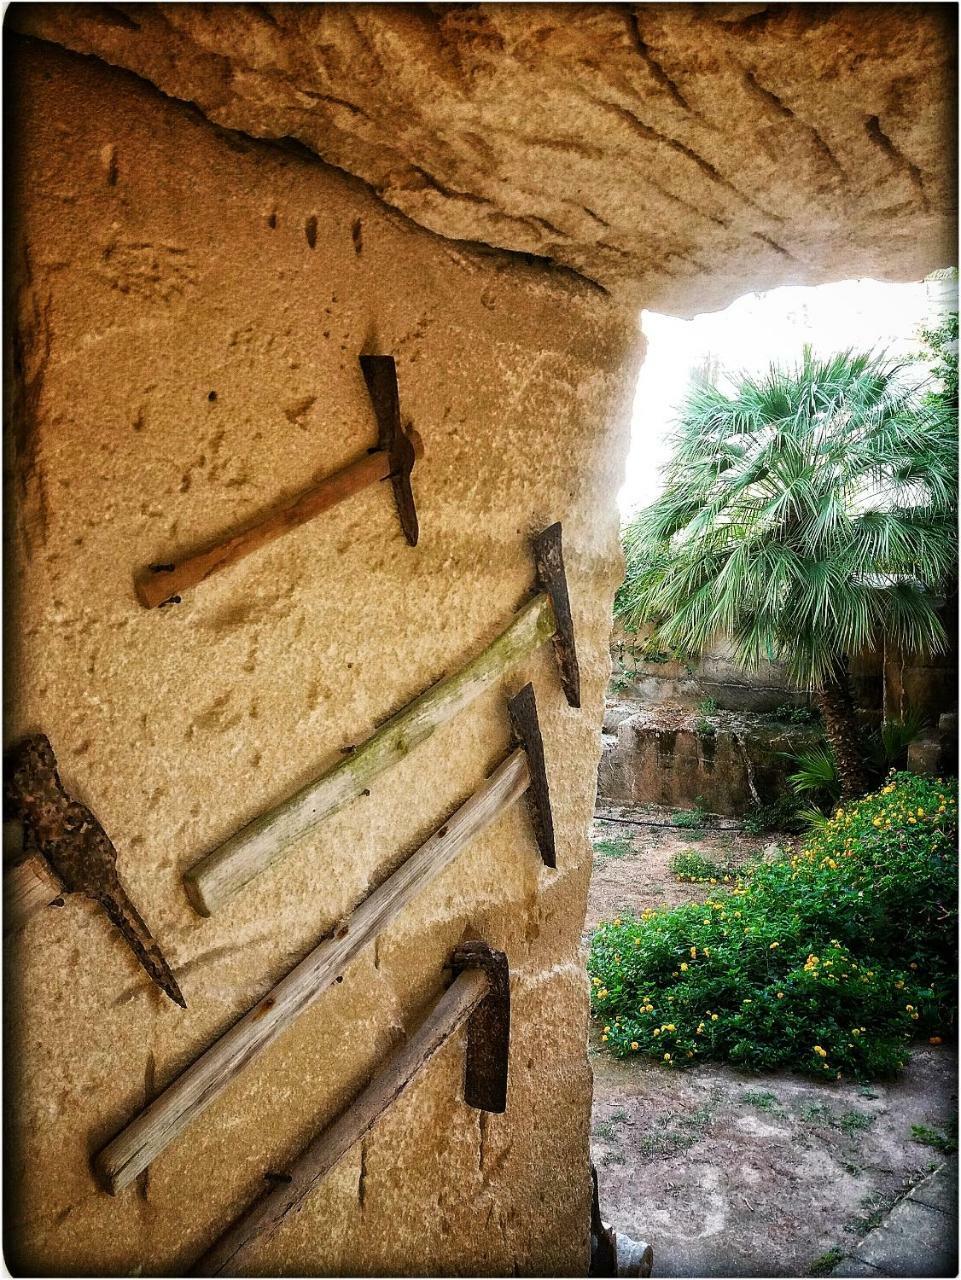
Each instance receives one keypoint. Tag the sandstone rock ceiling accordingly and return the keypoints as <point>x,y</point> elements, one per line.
<point>674,154</point>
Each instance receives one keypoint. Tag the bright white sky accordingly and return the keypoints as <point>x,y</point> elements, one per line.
<point>751,333</point>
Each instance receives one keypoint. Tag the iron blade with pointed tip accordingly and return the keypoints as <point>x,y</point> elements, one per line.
<point>380,374</point>
<point>552,578</point>
<point>79,851</point>
<point>522,709</point>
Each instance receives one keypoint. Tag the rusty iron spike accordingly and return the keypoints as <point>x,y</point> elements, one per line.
<point>522,709</point>
<point>79,851</point>
<point>380,374</point>
<point>552,578</point>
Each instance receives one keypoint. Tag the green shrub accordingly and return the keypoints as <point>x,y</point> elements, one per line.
<point>695,868</point>
<point>783,814</point>
<point>615,848</point>
<point>690,819</point>
<point>792,713</point>
<point>828,962</point>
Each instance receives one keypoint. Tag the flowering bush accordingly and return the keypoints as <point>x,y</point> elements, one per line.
<point>828,962</point>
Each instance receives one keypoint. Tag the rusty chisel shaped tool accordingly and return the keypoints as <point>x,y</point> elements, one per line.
<point>78,850</point>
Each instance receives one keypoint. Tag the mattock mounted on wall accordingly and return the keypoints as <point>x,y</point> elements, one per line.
<point>183,1101</point>
<point>220,874</point>
<point>479,995</point>
<point>393,459</point>
<point>77,857</point>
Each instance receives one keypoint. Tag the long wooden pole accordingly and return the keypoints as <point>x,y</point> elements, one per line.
<point>154,586</point>
<point>119,1163</point>
<point>220,874</point>
<point>232,1253</point>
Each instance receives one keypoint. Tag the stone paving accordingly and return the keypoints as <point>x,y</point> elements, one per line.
<point>919,1237</point>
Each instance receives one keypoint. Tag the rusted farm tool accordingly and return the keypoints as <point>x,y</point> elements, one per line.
<point>150,1132</point>
<point>67,851</point>
<point>479,995</point>
<point>393,459</point>
<point>220,874</point>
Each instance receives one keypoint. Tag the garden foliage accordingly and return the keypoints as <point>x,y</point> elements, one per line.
<point>829,962</point>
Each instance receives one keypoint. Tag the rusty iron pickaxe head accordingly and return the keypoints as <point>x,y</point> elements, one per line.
<point>380,374</point>
<point>488,1028</point>
<point>78,850</point>
<point>552,578</point>
<point>522,709</point>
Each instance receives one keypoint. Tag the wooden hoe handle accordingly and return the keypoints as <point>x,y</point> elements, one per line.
<point>162,582</point>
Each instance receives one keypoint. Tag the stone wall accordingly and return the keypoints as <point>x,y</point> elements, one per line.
<point>189,305</point>
<point>885,683</point>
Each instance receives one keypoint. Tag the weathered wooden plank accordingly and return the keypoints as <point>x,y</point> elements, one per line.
<point>235,1251</point>
<point>193,1091</point>
<point>223,872</point>
<point>28,886</point>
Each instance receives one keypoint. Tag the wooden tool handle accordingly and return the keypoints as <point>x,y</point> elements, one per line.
<point>231,1254</point>
<point>160,583</point>
<point>220,874</point>
<point>195,1089</point>
<point>27,887</point>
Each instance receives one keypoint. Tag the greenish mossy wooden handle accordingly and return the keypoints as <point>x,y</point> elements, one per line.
<point>222,873</point>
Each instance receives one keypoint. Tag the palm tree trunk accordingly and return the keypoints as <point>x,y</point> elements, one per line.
<point>843,732</point>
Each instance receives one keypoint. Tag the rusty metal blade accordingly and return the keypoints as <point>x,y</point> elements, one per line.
<point>522,709</point>
<point>128,920</point>
<point>552,578</point>
<point>78,850</point>
<point>488,1030</point>
<point>380,374</point>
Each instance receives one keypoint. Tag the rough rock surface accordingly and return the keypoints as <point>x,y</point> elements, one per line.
<point>188,309</point>
<point>679,153</point>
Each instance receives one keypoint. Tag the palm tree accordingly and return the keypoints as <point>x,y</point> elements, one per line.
<point>807,515</point>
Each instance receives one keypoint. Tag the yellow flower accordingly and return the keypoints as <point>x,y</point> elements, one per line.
<point>604,1039</point>
<point>606,1029</point>
<point>693,953</point>
<point>822,1053</point>
<point>780,995</point>
<point>920,813</point>
<point>774,946</point>
<point>667,1057</point>
<point>657,1031</point>
<point>634,1045</point>
<point>602,994</point>
<point>909,1008</point>
<point>714,1017</point>
<point>684,967</point>
<point>670,1027</point>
